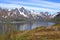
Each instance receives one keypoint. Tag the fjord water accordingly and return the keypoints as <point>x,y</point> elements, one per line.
<point>29,26</point>
<point>23,26</point>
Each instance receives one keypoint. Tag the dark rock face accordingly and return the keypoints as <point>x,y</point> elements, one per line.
<point>57,17</point>
<point>22,9</point>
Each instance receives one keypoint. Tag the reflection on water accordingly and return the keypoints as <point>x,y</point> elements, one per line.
<point>29,26</point>
<point>23,26</point>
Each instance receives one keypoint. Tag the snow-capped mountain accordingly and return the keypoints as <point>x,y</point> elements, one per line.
<point>24,13</point>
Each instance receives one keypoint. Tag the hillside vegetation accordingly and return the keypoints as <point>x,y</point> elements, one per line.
<point>40,33</point>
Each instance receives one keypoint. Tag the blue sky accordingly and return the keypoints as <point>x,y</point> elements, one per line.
<point>51,6</point>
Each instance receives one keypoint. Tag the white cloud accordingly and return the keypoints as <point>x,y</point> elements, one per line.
<point>34,4</point>
<point>27,7</point>
<point>9,5</point>
<point>45,4</point>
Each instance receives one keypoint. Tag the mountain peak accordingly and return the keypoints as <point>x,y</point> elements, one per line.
<point>22,8</point>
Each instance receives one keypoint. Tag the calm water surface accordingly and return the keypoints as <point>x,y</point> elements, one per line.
<point>29,26</point>
<point>23,26</point>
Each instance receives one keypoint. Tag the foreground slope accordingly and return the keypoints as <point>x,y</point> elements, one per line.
<point>40,33</point>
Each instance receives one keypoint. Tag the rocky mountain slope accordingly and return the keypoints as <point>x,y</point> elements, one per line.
<point>24,14</point>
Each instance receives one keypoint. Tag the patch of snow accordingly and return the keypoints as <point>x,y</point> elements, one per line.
<point>22,13</point>
<point>9,9</point>
<point>54,15</point>
<point>9,14</point>
<point>4,16</point>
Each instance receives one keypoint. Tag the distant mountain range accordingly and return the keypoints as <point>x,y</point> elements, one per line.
<point>25,14</point>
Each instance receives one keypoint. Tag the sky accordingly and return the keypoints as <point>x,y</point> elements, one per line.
<point>52,6</point>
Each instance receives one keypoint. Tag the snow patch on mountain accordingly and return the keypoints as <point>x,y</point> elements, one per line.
<point>22,13</point>
<point>54,15</point>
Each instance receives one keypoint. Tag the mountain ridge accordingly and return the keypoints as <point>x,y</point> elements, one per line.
<point>23,13</point>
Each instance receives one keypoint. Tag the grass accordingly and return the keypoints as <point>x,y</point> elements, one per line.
<point>56,25</point>
<point>40,33</point>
